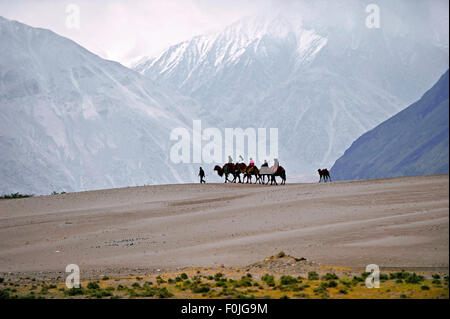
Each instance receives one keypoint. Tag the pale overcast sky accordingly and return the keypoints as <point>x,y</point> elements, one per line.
<point>123,30</point>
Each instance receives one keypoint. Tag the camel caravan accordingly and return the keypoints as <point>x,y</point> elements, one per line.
<point>262,175</point>
<point>250,171</point>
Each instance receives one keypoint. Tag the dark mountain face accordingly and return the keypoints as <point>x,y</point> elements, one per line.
<point>413,142</point>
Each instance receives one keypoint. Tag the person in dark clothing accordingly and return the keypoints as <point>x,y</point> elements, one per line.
<point>202,175</point>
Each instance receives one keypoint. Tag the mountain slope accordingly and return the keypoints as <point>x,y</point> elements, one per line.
<point>321,86</point>
<point>72,121</point>
<point>413,142</point>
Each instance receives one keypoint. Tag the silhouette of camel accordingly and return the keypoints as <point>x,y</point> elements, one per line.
<point>324,174</point>
<point>281,172</point>
<point>226,170</point>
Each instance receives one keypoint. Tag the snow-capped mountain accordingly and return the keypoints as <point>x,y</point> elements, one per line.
<point>413,142</point>
<point>321,85</point>
<point>72,121</point>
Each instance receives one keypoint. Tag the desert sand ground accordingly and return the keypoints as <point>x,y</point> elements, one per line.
<point>394,223</point>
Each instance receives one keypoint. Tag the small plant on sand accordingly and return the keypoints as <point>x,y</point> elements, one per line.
<point>281,254</point>
<point>425,287</point>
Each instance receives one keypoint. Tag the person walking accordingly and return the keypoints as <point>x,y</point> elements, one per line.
<point>202,176</point>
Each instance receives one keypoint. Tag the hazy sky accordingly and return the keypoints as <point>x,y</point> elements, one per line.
<point>122,30</point>
<point>125,30</point>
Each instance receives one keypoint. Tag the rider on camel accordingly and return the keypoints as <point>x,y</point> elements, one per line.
<point>276,164</point>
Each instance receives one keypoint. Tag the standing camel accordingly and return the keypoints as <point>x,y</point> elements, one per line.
<point>324,174</point>
<point>279,172</point>
<point>252,171</point>
<point>226,170</point>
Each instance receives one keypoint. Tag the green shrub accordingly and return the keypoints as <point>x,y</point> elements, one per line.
<point>4,294</point>
<point>322,289</point>
<point>221,284</point>
<point>312,275</point>
<point>343,291</point>
<point>245,282</point>
<point>269,280</point>
<point>136,285</point>
<point>365,274</point>
<point>93,285</point>
<point>74,291</point>
<point>105,278</point>
<point>218,276</point>
<point>332,284</point>
<point>399,275</point>
<point>414,279</point>
<point>200,289</point>
<point>287,280</point>
<point>184,276</point>
<point>15,195</point>
<point>102,293</point>
<point>424,287</point>
<point>2,279</point>
<point>357,279</point>
<point>384,277</point>
<point>330,276</point>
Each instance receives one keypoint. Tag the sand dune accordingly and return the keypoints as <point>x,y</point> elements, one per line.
<point>402,222</point>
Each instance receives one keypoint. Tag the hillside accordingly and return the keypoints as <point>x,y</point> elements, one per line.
<point>413,142</point>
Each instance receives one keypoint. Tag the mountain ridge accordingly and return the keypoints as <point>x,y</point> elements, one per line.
<point>412,142</point>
